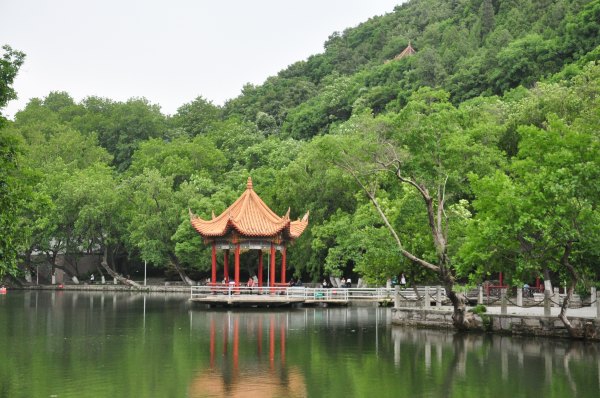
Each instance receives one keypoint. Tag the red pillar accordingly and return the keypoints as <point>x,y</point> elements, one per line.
<point>260,268</point>
<point>501,284</point>
<point>226,265</point>
<point>214,263</point>
<point>283,257</point>
<point>237,264</point>
<point>537,284</point>
<point>272,265</point>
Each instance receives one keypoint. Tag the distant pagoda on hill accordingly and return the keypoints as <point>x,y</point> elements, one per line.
<point>407,52</point>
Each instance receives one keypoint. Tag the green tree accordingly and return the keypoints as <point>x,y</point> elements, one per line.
<point>15,192</point>
<point>121,126</point>
<point>197,117</point>
<point>179,159</point>
<point>427,149</point>
<point>13,184</point>
<point>10,63</point>
<point>156,213</point>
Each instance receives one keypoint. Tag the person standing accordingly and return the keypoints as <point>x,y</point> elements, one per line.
<point>92,279</point>
<point>402,281</point>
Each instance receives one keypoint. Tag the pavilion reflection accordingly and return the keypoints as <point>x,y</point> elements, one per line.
<point>248,358</point>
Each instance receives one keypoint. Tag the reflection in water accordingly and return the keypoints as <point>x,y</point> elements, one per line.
<point>79,344</point>
<point>523,365</point>
<point>248,348</point>
<point>265,374</point>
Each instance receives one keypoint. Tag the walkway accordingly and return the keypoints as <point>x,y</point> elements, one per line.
<point>271,296</point>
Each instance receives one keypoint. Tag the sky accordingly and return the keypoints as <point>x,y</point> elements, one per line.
<point>168,51</point>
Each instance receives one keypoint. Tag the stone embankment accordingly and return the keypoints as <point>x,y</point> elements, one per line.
<point>516,321</point>
<point>162,288</point>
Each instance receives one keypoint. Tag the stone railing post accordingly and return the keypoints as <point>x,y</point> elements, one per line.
<point>598,305</point>
<point>426,298</point>
<point>519,297</point>
<point>397,296</point>
<point>546,302</point>
<point>115,281</point>
<point>593,297</point>
<point>556,298</point>
<point>503,308</point>
<point>480,295</point>
<point>438,301</point>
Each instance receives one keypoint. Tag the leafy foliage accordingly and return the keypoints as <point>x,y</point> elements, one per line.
<point>496,113</point>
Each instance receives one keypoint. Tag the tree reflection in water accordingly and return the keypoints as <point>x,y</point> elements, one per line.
<point>135,345</point>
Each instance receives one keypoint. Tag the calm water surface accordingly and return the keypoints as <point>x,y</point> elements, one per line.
<point>69,344</point>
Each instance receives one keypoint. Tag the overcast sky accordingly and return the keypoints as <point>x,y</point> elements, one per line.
<point>169,51</point>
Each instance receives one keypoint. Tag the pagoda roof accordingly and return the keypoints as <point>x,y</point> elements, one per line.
<point>251,217</point>
<point>406,52</point>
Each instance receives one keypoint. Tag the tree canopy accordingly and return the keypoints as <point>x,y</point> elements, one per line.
<point>480,152</point>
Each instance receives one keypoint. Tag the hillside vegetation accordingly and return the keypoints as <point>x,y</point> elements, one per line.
<point>478,154</point>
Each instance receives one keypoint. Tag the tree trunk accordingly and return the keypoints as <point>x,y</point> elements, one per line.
<point>546,273</point>
<point>573,332</point>
<point>461,318</point>
<point>182,274</point>
<point>115,275</point>
<point>52,260</point>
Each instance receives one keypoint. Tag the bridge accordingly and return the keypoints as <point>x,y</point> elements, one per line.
<point>230,295</point>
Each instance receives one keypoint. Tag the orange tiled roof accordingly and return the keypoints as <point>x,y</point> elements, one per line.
<point>250,216</point>
<point>406,52</point>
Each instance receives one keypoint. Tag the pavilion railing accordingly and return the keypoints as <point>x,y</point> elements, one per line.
<point>306,293</point>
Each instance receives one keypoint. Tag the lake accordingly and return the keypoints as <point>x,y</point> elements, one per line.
<point>92,344</point>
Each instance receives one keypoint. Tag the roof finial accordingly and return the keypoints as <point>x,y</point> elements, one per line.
<point>249,183</point>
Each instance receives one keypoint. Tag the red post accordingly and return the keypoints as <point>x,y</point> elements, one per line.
<point>501,284</point>
<point>260,268</point>
<point>237,264</point>
<point>214,263</point>
<point>283,257</point>
<point>226,265</point>
<point>537,284</point>
<point>272,261</point>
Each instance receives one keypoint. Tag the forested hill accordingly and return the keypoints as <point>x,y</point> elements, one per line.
<point>492,123</point>
<point>467,47</point>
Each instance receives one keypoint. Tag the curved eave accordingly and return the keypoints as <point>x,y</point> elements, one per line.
<point>218,228</point>
<point>296,228</point>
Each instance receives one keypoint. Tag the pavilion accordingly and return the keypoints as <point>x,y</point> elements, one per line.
<point>249,224</point>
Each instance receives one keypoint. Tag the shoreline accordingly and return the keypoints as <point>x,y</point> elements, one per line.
<point>516,322</point>
<point>108,287</point>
